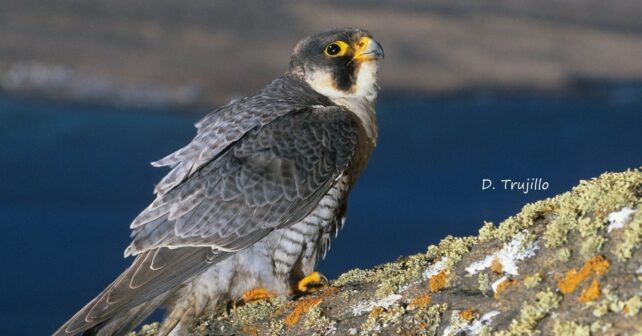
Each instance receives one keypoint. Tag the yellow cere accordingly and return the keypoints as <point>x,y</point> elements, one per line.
<point>362,44</point>
<point>360,47</point>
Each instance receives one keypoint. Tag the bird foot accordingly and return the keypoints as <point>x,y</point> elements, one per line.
<point>255,295</point>
<point>311,283</point>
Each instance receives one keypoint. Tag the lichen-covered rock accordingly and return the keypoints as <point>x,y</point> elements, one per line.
<point>567,265</point>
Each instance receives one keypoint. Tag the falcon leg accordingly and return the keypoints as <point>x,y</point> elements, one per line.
<point>312,282</point>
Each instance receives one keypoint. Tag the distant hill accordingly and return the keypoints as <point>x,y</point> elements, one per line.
<point>184,52</point>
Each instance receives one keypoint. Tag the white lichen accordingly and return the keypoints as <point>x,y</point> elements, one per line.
<point>508,256</point>
<point>366,306</point>
<point>475,326</point>
<point>331,329</point>
<point>617,219</point>
<point>435,268</point>
<point>497,282</point>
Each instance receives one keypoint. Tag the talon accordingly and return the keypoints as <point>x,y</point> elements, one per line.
<point>312,282</point>
<point>255,294</point>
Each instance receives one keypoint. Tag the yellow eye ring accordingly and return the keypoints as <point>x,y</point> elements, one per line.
<point>336,49</point>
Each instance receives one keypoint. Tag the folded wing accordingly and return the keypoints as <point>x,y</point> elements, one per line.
<point>271,177</point>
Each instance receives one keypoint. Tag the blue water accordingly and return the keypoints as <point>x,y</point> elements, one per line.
<point>73,176</point>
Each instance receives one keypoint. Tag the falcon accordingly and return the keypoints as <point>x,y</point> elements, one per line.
<point>251,203</point>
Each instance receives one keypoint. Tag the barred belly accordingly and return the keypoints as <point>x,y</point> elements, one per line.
<point>275,263</point>
<point>299,246</point>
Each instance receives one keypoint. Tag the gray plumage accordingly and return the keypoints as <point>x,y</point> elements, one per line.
<point>251,201</point>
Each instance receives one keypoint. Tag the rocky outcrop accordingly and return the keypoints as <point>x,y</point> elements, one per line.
<point>567,265</point>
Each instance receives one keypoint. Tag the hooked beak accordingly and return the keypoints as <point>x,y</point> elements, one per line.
<point>368,49</point>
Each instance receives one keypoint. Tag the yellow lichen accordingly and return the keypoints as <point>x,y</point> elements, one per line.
<point>380,317</point>
<point>610,303</point>
<point>631,237</point>
<point>557,230</point>
<point>425,321</point>
<point>277,327</point>
<point>584,209</point>
<point>483,283</point>
<point>600,327</point>
<point>564,254</point>
<point>632,306</point>
<point>317,321</point>
<point>568,328</point>
<point>531,314</point>
<point>371,322</point>
<point>453,249</point>
<point>255,311</point>
<point>395,275</point>
<point>532,280</point>
<point>591,245</point>
<point>146,330</point>
<point>487,232</point>
<point>356,275</point>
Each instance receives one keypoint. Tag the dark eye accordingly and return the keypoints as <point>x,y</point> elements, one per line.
<point>333,49</point>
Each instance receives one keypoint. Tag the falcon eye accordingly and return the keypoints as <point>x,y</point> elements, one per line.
<point>336,48</point>
<point>333,49</point>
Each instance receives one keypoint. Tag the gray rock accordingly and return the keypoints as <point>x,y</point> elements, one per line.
<point>567,265</point>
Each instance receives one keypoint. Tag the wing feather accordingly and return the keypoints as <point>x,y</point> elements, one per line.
<point>270,178</point>
<point>228,124</point>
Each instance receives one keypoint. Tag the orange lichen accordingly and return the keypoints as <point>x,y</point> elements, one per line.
<point>626,309</point>
<point>304,305</point>
<point>375,312</point>
<point>501,287</point>
<point>419,302</point>
<point>594,266</point>
<point>496,266</point>
<point>591,293</point>
<point>250,331</point>
<point>468,314</point>
<point>438,281</point>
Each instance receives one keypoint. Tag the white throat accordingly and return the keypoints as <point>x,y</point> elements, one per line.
<point>361,98</point>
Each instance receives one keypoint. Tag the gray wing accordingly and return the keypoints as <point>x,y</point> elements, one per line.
<point>228,124</point>
<point>271,177</point>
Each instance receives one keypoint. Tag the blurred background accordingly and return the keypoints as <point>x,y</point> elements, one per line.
<point>92,91</point>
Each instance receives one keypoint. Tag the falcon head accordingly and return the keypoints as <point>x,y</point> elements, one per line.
<point>339,63</point>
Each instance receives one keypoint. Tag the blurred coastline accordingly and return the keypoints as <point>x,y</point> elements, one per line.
<point>171,53</point>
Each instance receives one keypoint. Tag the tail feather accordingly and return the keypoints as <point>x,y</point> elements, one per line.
<point>122,324</point>
<point>139,290</point>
